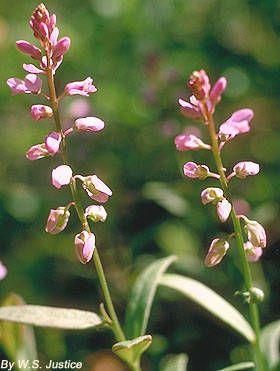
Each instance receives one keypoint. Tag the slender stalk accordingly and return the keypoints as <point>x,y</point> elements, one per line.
<point>253,308</point>
<point>118,332</point>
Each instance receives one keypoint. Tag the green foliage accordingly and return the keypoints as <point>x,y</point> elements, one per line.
<point>239,366</point>
<point>176,363</point>
<point>211,301</point>
<point>17,340</point>
<point>62,318</point>
<point>142,296</point>
<point>270,343</point>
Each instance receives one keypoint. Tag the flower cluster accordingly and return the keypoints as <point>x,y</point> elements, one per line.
<point>49,57</point>
<point>201,105</point>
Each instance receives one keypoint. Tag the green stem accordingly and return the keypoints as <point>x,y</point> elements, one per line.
<point>253,308</point>
<point>98,265</point>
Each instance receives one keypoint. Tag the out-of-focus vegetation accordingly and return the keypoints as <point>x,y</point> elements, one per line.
<point>140,54</point>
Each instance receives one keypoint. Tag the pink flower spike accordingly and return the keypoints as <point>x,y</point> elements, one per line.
<point>246,168</point>
<point>188,142</point>
<point>253,253</point>
<point>84,246</point>
<point>96,189</point>
<point>192,170</point>
<point>31,68</point>
<point>189,110</point>
<point>217,90</point>
<point>40,111</point>
<point>3,271</point>
<point>211,194</point>
<point>30,49</point>
<point>57,220</point>
<point>52,142</point>
<point>216,252</point>
<point>36,152</point>
<point>61,48</point>
<point>89,124</point>
<point>61,176</point>
<point>84,87</point>
<point>223,210</point>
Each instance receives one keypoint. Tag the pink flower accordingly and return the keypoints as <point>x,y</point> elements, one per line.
<point>31,68</point>
<point>253,253</point>
<point>199,84</point>
<point>246,168</point>
<point>57,220</point>
<point>192,170</point>
<point>40,111</point>
<point>61,176</point>
<point>187,142</point>
<point>84,245</point>
<point>211,194</point>
<point>84,87</point>
<point>217,90</point>
<point>89,124</point>
<point>30,85</point>
<point>61,48</point>
<point>216,252</point>
<point>256,233</point>
<point>3,271</point>
<point>52,142</point>
<point>96,213</point>
<point>30,49</point>
<point>190,110</point>
<point>96,189</point>
<point>36,152</point>
<point>238,123</point>
<point>223,210</point>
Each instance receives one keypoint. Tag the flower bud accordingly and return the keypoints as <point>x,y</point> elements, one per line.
<point>96,213</point>
<point>84,246</point>
<point>61,47</point>
<point>27,48</point>
<point>61,176</point>
<point>96,189</point>
<point>52,142</point>
<point>256,233</point>
<point>246,168</point>
<point>84,87</point>
<point>212,194</point>
<point>187,142</point>
<point>199,84</point>
<point>3,271</point>
<point>256,295</point>
<point>192,170</point>
<point>223,210</point>
<point>57,220</point>
<point>36,152</point>
<point>189,109</point>
<point>217,90</point>
<point>253,253</point>
<point>216,252</point>
<point>89,124</point>
<point>40,111</point>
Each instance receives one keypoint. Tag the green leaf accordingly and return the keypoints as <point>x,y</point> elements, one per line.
<point>131,350</point>
<point>142,295</point>
<point>269,342</point>
<point>239,366</point>
<point>211,301</point>
<point>18,341</point>
<point>62,318</point>
<point>176,363</point>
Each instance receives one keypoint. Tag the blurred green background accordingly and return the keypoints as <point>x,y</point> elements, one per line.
<point>140,54</point>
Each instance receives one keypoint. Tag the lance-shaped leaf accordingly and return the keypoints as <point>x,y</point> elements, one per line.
<point>269,342</point>
<point>17,340</point>
<point>131,350</point>
<point>239,367</point>
<point>211,301</point>
<point>142,296</point>
<point>63,318</point>
<point>178,362</point>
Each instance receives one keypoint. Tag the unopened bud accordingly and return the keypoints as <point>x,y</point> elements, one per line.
<point>84,246</point>
<point>211,194</point>
<point>195,171</point>
<point>216,252</point>
<point>96,213</point>
<point>57,220</point>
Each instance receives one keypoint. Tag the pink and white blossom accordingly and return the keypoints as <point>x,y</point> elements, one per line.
<point>32,84</point>
<point>253,253</point>
<point>57,220</point>
<point>30,49</point>
<point>238,123</point>
<point>61,176</point>
<point>188,142</point>
<point>61,48</point>
<point>84,246</point>
<point>96,188</point>
<point>84,87</point>
<point>96,213</point>
<point>246,168</point>
<point>195,171</point>
<point>91,124</point>
<point>40,112</point>
<point>37,151</point>
<point>52,142</point>
<point>211,194</point>
<point>223,210</point>
<point>216,252</point>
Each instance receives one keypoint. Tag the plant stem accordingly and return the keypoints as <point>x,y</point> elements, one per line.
<point>98,265</point>
<point>247,276</point>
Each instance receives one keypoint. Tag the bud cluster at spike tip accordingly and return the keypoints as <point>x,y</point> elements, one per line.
<point>201,105</point>
<point>47,56</point>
